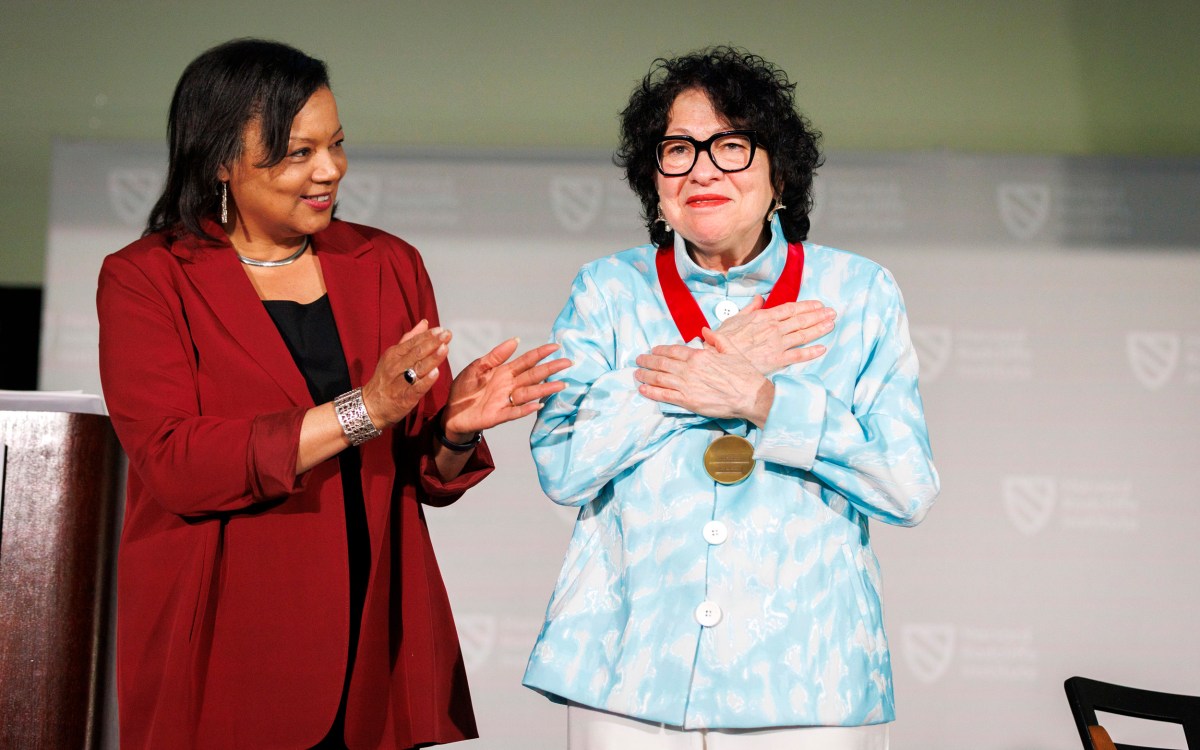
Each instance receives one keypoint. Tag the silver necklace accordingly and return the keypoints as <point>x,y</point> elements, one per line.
<point>275,263</point>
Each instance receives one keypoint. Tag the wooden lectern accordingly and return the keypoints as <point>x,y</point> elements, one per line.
<point>59,480</point>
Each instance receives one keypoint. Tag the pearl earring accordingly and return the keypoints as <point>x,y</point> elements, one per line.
<point>663,220</point>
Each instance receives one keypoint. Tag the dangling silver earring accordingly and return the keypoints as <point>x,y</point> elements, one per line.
<point>663,220</point>
<point>776,208</point>
<point>224,203</point>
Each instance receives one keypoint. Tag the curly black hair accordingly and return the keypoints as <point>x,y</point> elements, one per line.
<point>750,93</point>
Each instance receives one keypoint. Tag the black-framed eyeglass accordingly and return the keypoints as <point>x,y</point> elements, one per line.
<point>730,151</point>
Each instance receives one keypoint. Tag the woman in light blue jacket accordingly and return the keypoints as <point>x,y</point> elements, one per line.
<point>719,590</point>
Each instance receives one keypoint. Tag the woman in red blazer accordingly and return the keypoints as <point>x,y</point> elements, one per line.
<point>279,381</point>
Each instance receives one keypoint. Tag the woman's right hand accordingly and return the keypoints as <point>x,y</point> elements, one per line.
<point>774,337</point>
<point>387,395</point>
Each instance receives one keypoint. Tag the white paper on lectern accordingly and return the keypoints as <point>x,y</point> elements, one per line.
<point>76,402</point>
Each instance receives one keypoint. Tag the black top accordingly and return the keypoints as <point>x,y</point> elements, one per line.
<point>312,337</point>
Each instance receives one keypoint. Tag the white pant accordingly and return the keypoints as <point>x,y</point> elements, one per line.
<point>589,729</point>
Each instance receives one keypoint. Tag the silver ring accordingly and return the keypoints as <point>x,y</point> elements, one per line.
<point>410,375</point>
<point>510,400</point>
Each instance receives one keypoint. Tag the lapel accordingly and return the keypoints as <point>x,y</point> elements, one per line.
<point>218,278</point>
<point>352,280</point>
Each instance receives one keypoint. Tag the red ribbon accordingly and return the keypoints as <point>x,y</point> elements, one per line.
<point>689,318</point>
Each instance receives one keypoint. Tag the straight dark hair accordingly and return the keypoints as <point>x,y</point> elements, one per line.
<point>218,95</point>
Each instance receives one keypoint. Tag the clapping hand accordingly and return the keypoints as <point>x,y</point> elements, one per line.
<point>492,390</point>
<point>405,373</point>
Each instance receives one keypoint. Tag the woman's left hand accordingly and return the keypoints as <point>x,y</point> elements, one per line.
<point>491,390</point>
<point>714,381</point>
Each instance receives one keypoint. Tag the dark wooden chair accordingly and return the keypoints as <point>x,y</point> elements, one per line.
<point>1089,696</point>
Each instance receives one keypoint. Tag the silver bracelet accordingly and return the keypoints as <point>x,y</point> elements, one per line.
<point>352,415</point>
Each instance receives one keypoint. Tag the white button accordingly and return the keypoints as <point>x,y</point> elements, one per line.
<point>715,532</point>
<point>708,614</point>
<point>725,310</point>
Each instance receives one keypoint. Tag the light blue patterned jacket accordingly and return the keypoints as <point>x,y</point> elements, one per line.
<point>793,587</point>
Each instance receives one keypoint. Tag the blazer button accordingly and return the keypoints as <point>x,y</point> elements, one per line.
<point>726,309</point>
<point>708,614</point>
<point>715,532</point>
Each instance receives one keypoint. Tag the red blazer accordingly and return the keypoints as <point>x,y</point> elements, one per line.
<point>233,590</point>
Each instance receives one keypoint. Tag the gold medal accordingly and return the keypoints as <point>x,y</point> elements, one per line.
<point>729,459</point>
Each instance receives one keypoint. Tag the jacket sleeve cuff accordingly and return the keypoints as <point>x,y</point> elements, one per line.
<point>794,424</point>
<point>273,445</point>
<point>478,466</point>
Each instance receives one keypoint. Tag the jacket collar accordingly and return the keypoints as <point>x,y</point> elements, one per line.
<point>756,277</point>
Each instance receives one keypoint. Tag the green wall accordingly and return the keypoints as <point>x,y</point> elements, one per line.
<point>1027,76</point>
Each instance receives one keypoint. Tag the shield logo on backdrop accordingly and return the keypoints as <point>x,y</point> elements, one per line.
<point>1153,357</point>
<point>928,650</point>
<point>477,637</point>
<point>358,197</point>
<point>933,345</point>
<point>1024,208</point>
<point>576,201</point>
<point>132,193</point>
<point>1029,501</point>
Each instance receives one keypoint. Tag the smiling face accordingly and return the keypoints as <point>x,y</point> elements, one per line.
<point>278,205</point>
<point>720,215</point>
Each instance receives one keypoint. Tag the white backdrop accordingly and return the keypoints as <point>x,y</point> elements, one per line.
<point>1055,305</point>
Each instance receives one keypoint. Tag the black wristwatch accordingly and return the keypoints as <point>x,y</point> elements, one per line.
<point>458,447</point>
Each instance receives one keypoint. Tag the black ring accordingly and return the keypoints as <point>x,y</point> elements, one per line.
<point>410,376</point>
